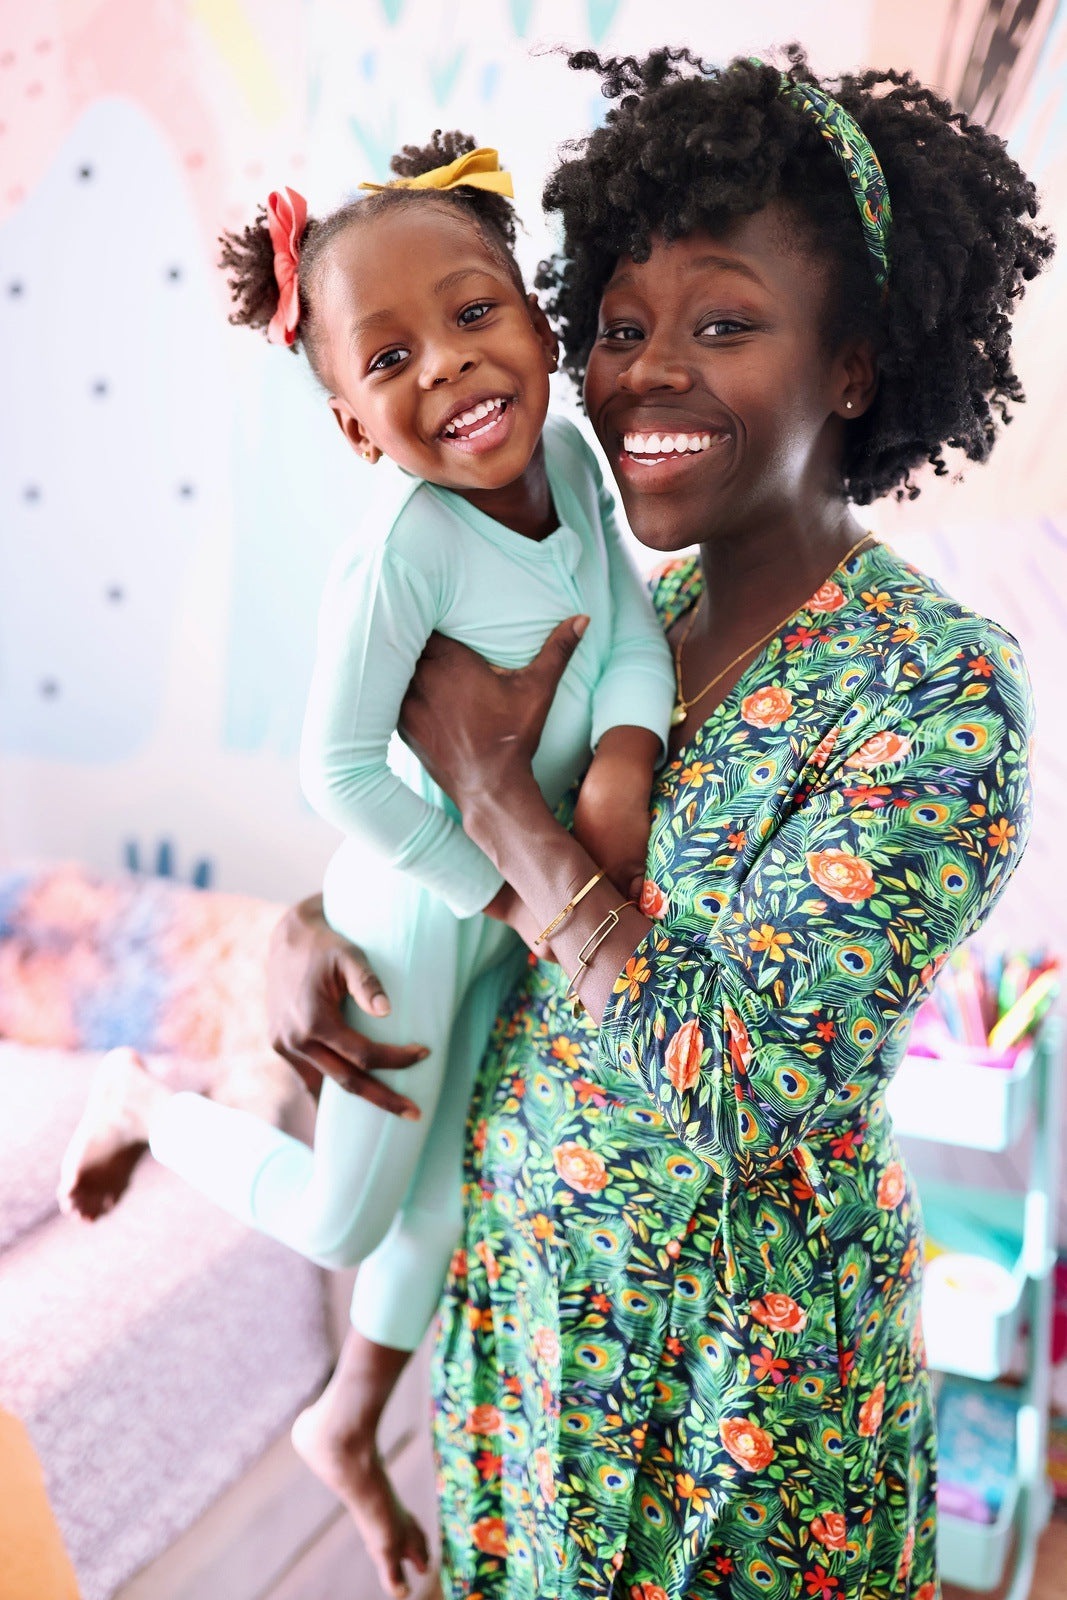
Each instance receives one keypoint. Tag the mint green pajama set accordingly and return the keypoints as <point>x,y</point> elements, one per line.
<point>406,883</point>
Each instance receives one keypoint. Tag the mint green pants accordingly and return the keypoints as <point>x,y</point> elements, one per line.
<point>374,1189</point>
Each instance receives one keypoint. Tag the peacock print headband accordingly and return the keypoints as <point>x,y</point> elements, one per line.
<point>862,168</point>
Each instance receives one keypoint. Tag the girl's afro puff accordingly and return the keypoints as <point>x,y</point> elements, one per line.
<point>689,146</point>
<point>248,256</point>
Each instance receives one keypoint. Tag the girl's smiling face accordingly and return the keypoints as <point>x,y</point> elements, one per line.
<point>436,357</point>
<point>711,388</point>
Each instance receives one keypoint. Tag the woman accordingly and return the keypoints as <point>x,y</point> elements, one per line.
<point>679,1351</point>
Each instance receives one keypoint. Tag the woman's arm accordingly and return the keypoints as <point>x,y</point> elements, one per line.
<point>310,972</point>
<point>475,729</point>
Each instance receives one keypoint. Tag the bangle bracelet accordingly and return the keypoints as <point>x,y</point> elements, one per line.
<point>568,908</point>
<point>589,950</point>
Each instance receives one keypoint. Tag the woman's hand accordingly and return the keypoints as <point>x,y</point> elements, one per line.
<point>475,727</point>
<point>310,972</point>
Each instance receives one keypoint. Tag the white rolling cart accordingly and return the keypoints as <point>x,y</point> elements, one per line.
<point>974,1336</point>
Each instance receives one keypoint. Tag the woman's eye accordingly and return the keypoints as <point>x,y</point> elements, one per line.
<point>723,327</point>
<point>475,313</point>
<point>621,333</point>
<point>389,358</point>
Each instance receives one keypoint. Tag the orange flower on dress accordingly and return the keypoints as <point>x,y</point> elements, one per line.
<point>546,1344</point>
<point>750,1446</point>
<point>926,1591</point>
<point>1000,835</point>
<point>567,1051</point>
<point>779,1312</point>
<point>767,707</point>
<point>771,939</point>
<point>484,1420</point>
<point>682,1056</point>
<point>891,1187</point>
<point>871,1412</point>
<point>842,876</point>
<point>880,750</point>
<point>824,749</point>
<point>653,901</point>
<point>740,1047</point>
<point>830,1530</point>
<point>545,1478</point>
<point>906,1555</point>
<point>580,1168</point>
<point>490,1536</point>
<point>647,1591</point>
<point>488,1261</point>
<point>829,596</point>
<point>636,972</point>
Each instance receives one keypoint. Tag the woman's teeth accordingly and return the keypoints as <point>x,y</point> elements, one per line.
<point>469,419</point>
<point>665,444</point>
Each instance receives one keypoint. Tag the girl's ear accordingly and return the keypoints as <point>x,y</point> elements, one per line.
<point>543,329</point>
<point>856,379</point>
<point>352,429</point>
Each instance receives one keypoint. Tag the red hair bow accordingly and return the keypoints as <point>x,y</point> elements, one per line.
<point>287,215</point>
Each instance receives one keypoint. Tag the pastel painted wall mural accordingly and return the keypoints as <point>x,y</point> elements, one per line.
<point>171,488</point>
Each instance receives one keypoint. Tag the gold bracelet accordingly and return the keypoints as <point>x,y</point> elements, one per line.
<point>589,950</point>
<point>568,908</point>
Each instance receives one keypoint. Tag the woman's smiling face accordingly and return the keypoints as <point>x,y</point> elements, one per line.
<point>710,386</point>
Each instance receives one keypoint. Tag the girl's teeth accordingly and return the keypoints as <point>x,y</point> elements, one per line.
<point>666,444</point>
<point>475,414</point>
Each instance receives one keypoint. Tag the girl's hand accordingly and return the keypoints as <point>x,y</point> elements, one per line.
<point>475,727</point>
<point>310,972</point>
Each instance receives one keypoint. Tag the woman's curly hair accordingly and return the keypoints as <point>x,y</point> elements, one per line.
<point>248,257</point>
<point>689,146</point>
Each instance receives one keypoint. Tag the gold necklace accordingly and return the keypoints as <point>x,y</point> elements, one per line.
<point>682,706</point>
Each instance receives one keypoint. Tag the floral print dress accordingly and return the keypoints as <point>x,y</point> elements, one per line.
<point>679,1353</point>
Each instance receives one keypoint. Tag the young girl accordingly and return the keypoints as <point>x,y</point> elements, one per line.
<point>685,1360</point>
<point>411,310</point>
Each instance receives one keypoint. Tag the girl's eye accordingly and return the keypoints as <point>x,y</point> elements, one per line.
<point>389,358</point>
<point>475,313</point>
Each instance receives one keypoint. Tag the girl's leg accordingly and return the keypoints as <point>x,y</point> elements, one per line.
<point>396,1294</point>
<point>335,1202</point>
<point>399,1285</point>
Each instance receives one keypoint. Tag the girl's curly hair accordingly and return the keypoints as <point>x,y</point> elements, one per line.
<point>689,146</point>
<point>248,257</point>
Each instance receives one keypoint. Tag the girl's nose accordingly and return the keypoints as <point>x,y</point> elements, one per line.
<point>443,364</point>
<point>656,364</point>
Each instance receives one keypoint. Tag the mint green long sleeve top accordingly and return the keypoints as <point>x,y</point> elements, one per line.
<point>425,560</point>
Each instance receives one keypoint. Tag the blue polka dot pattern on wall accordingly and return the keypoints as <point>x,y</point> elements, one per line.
<point>105,503</point>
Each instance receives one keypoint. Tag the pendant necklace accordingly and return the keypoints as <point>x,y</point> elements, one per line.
<point>682,706</point>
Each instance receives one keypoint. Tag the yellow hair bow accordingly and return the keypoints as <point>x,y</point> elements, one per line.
<point>478,169</point>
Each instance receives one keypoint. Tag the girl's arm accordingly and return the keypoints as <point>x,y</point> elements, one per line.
<point>632,705</point>
<point>376,617</point>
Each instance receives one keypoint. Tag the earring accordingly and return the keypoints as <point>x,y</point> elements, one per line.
<point>553,362</point>
<point>848,405</point>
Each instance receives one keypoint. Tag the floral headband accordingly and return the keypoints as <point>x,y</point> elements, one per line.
<point>287,215</point>
<point>862,167</point>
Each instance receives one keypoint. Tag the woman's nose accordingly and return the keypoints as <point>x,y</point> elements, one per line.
<point>656,364</point>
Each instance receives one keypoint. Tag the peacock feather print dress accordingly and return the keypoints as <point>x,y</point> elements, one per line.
<point>679,1354</point>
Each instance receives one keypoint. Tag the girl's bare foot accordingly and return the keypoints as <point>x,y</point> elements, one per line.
<point>111,1137</point>
<point>346,1460</point>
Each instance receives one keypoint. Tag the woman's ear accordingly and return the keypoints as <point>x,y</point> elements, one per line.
<point>543,329</point>
<point>856,379</point>
<point>352,429</point>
